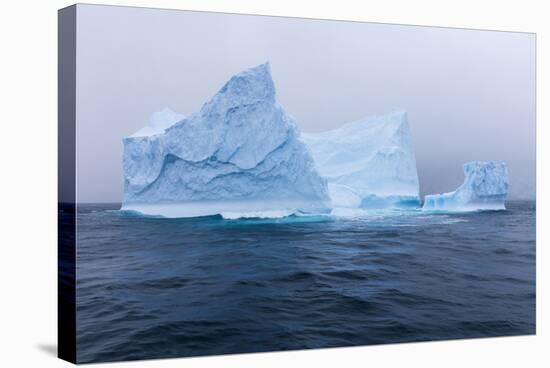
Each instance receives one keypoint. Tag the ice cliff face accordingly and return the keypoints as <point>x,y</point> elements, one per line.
<point>239,154</point>
<point>368,163</point>
<point>485,188</point>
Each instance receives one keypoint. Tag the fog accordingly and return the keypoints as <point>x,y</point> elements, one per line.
<point>469,94</point>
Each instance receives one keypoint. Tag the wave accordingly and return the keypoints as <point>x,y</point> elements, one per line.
<point>390,217</point>
<point>257,214</point>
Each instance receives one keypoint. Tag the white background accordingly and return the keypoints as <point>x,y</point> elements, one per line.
<point>28,194</point>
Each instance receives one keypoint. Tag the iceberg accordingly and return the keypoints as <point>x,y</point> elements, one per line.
<point>485,188</point>
<point>240,153</point>
<point>368,163</point>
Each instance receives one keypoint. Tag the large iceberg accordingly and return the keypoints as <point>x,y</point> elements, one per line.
<point>368,163</point>
<point>240,154</point>
<point>485,188</point>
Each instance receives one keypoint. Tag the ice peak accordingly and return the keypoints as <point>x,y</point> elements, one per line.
<point>398,115</point>
<point>401,116</point>
<point>254,85</point>
<point>164,115</point>
<point>390,122</point>
<point>158,122</point>
<point>164,112</point>
<point>396,118</point>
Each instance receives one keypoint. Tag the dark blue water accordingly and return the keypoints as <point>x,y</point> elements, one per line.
<point>151,287</point>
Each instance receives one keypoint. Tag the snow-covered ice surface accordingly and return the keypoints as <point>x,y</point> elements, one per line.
<point>485,188</point>
<point>239,154</point>
<point>369,164</point>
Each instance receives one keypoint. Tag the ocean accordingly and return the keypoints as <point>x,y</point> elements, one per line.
<point>156,288</point>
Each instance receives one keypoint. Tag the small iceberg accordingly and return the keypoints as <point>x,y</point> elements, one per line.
<point>485,187</point>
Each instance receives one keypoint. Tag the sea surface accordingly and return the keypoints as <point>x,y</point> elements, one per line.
<point>154,288</point>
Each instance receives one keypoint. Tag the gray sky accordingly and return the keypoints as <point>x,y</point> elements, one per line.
<point>470,95</point>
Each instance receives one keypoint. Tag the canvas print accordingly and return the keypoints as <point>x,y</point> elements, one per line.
<point>236,183</point>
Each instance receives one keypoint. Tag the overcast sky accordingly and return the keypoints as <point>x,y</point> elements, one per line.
<point>470,95</point>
